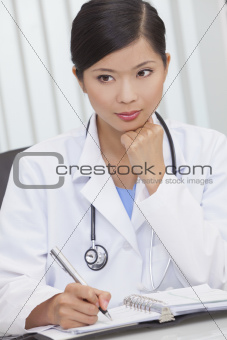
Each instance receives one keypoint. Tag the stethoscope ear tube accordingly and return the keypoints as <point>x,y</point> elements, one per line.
<point>172,148</point>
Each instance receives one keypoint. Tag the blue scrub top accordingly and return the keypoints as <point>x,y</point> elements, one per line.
<point>127,196</point>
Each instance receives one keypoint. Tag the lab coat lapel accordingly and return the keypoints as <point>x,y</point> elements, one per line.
<point>141,192</point>
<point>100,190</point>
<point>102,193</point>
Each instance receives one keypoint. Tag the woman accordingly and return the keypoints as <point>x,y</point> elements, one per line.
<point>118,52</point>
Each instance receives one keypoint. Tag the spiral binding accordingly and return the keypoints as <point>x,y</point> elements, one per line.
<point>148,304</point>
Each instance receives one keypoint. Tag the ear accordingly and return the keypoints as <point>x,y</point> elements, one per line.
<point>81,83</point>
<point>168,58</point>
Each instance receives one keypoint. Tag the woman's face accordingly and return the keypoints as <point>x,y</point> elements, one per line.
<point>125,86</point>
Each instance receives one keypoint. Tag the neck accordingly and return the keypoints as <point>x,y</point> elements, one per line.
<point>110,140</point>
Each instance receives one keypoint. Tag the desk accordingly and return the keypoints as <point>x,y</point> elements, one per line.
<point>195,328</point>
<point>200,328</point>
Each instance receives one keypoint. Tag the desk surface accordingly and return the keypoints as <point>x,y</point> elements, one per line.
<point>196,328</point>
<point>201,327</point>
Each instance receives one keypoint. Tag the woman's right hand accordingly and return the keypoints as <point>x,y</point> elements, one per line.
<point>77,306</point>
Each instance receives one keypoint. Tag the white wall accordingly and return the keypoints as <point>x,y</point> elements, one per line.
<point>39,96</point>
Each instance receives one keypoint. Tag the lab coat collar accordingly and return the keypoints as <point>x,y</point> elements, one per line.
<point>91,153</point>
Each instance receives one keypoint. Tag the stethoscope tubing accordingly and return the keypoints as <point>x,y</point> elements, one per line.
<point>93,235</point>
<point>173,157</point>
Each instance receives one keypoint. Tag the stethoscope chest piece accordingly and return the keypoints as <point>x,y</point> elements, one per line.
<point>96,257</point>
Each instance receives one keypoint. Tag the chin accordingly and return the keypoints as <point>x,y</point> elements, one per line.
<point>131,127</point>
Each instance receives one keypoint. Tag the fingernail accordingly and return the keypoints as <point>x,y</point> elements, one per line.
<point>97,304</point>
<point>105,304</point>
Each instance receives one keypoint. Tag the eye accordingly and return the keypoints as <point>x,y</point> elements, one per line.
<point>146,70</point>
<point>103,76</point>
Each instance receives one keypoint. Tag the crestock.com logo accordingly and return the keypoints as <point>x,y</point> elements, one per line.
<point>101,170</point>
<point>35,186</point>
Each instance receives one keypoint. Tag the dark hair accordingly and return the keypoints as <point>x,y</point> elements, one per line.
<point>104,26</point>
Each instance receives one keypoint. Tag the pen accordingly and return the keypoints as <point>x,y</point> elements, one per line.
<point>66,265</point>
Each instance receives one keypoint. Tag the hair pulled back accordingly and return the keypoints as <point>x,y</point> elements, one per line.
<point>104,26</point>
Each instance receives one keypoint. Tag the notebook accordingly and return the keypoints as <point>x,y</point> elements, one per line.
<point>140,309</point>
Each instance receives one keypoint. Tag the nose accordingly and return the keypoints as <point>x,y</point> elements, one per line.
<point>127,92</point>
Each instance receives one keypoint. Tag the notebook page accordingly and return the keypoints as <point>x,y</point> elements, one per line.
<point>189,297</point>
<point>121,316</point>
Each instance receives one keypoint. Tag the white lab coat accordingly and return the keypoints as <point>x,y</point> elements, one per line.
<point>190,220</point>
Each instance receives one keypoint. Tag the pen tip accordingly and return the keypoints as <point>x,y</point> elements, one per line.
<point>108,315</point>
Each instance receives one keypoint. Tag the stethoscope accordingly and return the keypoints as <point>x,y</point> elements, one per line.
<point>96,257</point>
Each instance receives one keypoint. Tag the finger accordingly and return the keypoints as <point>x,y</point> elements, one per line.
<point>136,135</point>
<point>155,128</point>
<point>84,307</point>
<point>104,298</point>
<point>85,319</point>
<point>82,292</point>
<point>131,134</point>
<point>126,141</point>
<point>76,319</point>
<point>150,119</point>
<point>88,293</point>
<point>148,126</point>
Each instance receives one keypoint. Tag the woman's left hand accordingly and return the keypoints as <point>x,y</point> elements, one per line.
<point>144,148</point>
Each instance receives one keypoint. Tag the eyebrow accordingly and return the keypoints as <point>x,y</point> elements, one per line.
<point>110,70</point>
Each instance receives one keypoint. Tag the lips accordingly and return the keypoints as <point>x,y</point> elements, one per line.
<point>128,113</point>
<point>128,116</point>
